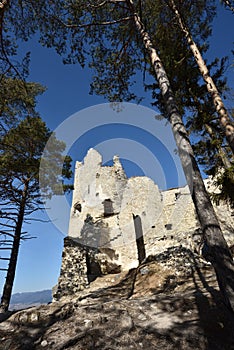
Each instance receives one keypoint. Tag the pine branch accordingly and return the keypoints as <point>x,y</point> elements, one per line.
<point>125,19</point>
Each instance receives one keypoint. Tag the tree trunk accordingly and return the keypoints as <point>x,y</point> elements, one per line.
<point>3,3</point>
<point>224,119</point>
<point>215,247</point>
<point>7,290</point>
<point>228,4</point>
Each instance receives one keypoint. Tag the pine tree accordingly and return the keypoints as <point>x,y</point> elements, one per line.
<point>211,87</point>
<point>17,100</point>
<point>20,157</point>
<point>218,251</point>
<point>192,98</point>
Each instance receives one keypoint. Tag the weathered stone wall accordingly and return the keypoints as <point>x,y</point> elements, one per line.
<point>81,265</point>
<point>116,221</point>
<point>73,273</point>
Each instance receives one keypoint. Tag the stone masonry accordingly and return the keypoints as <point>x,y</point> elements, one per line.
<point>116,222</point>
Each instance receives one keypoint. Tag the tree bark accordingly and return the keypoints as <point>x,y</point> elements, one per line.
<point>7,290</point>
<point>215,247</point>
<point>224,119</point>
<point>228,4</point>
<point>3,4</point>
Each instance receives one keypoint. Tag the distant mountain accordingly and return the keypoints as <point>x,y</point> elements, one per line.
<point>23,300</point>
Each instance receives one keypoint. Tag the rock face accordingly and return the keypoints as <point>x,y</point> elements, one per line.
<point>117,222</point>
<point>169,302</point>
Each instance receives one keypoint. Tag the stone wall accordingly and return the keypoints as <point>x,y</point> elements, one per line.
<point>81,265</point>
<point>115,222</point>
<point>73,274</point>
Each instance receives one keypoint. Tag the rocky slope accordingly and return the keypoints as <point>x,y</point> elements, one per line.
<point>170,302</point>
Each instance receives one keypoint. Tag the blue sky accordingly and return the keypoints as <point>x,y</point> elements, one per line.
<point>68,95</point>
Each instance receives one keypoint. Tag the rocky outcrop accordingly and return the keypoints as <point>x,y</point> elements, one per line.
<point>170,301</point>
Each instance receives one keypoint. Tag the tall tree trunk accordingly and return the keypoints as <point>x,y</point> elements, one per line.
<point>7,290</point>
<point>224,119</point>
<point>215,247</point>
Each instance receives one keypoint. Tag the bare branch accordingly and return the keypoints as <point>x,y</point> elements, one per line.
<point>7,233</point>
<point>7,225</point>
<point>27,238</point>
<point>37,220</point>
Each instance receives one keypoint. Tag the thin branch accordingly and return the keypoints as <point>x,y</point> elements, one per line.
<point>106,2</point>
<point>7,225</point>
<point>93,23</point>
<point>7,234</point>
<point>28,238</point>
<point>37,220</point>
<point>2,43</point>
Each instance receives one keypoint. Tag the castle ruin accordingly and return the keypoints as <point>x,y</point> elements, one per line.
<point>116,222</point>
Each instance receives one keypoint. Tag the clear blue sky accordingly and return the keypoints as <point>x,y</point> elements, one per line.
<point>68,94</point>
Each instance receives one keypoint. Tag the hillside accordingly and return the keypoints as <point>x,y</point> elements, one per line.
<point>23,300</point>
<point>169,302</point>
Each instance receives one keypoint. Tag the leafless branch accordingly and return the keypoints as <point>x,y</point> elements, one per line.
<point>27,238</point>
<point>7,233</point>
<point>37,220</point>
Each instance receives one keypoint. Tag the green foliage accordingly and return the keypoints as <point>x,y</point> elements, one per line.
<point>17,99</point>
<point>20,160</point>
<point>191,94</point>
<point>80,33</point>
<point>224,181</point>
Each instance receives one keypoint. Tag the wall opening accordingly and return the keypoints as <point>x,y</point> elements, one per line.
<point>139,238</point>
<point>77,207</point>
<point>108,207</point>
<point>168,227</point>
<point>93,268</point>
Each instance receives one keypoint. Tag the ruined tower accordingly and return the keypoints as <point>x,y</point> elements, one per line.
<point>115,222</point>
